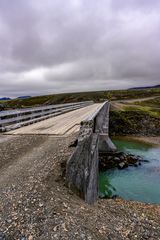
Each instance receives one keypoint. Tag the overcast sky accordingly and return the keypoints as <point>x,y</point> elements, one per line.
<point>56,46</point>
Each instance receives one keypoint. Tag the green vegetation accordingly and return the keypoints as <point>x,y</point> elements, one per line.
<point>134,122</point>
<point>139,117</point>
<point>147,110</point>
<point>150,103</point>
<point>99,96</point>
<point>105,188</point>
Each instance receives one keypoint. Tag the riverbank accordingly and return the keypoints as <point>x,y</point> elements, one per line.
<point>150,140</point>
<point>36,204</point>
<point>139,177</point>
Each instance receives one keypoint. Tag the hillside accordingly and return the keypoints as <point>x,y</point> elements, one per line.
<point>156,86</point>
<point>98,96</point>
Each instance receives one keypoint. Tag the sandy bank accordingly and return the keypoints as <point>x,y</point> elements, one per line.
<point>150,140</point>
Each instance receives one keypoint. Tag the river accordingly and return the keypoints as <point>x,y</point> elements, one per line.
<point>140,183</point>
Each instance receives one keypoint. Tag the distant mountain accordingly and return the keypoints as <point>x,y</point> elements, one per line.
<point>23,97</point>
<point>136,88</point>
<point>5,98</point>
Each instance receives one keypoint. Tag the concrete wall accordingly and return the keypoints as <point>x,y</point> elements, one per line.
<point>82,168</point>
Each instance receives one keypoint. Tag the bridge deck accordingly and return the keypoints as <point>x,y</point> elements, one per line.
<point>63,124</point>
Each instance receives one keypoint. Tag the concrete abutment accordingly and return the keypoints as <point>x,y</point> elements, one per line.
<point>82,169</point>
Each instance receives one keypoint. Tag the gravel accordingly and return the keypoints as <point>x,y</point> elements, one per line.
<point>35,203</point>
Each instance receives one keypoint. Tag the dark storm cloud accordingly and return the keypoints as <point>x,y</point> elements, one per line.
<point>77,45</point>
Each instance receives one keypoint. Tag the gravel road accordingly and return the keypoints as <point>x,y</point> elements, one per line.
<point>35,204</point>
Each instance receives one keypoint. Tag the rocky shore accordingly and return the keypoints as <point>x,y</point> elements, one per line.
<point>119,160</point>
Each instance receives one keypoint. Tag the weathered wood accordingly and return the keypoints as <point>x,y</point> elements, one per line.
<point>13,119</point>
<point>62,124</point>
<point>41,108</point>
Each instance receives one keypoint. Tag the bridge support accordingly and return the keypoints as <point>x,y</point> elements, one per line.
<point>82,168</point>
<point>102,129</point>
<point>105,144</point>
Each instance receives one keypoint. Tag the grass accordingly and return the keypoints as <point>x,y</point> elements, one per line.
<point>150,106</point>
<point>150,103</point>
<point>150,110</point>
<point>135,118</point>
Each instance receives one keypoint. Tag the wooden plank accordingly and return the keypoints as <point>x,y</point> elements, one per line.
<point>23,117</point>
<point>38,114</point>
<point>58,125</point>
<point>35,109</point>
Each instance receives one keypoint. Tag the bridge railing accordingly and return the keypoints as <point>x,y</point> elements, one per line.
<point>82,168</point>
<point>13,119</point>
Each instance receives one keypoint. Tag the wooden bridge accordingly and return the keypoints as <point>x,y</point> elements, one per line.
<point>14,119</point>
<point>92,122</point>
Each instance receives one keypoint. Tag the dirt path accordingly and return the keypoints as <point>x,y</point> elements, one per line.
<point>120,104</point>
<point>35,204</point>
<point>135,100</point>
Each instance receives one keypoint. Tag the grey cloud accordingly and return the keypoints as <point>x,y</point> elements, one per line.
<point>142,5</point>
<point>77,45</point>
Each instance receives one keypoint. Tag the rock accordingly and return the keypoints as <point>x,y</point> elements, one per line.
<point>135,165</point>
<point>119,160</point>
<point>122,158</point>
<point>9,221</point>
<point>116,159</point>
<point>30,237</point>
<point>74,144</point>
<point>2,236</point>
<point>115,196</point>
<point>142,160</point>
<point>121,165</point>
<point>40,204</point>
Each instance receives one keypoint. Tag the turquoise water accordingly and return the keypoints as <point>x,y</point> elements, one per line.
<point>142,183</point>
